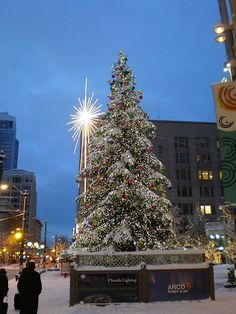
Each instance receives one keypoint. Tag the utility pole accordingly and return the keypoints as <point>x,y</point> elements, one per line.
<point>2,157</point>
<point>233,11</point>
<point>25,195</point>
<point>45,243</point>
<point>55,246</point>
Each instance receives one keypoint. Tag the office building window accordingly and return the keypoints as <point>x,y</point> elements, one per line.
<point>16,179</point>
<point>181,142</point>
<point>222,191</point>
<point>184,190</point>
<point>183,174</point>
<point>205,174</point>
<point>203,158</point>
<point>221,175</point>
<point>182,158</point>
<point>207,209</point>
<point>186,208</point>
<point>202,142</point>
<point>207,191</point>
<point>177,158</point>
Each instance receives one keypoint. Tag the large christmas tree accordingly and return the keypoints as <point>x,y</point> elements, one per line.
<point>125,206</point>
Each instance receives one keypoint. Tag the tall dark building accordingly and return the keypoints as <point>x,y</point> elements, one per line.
<point>190,154</point>
<point>21,180</point>
<point>8,142</point>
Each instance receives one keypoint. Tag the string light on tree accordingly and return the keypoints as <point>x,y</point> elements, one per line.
<point>84,123</point>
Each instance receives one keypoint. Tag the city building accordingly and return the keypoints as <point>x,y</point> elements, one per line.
<point>37,230</point>
<point>19,182</point>
<point>190,154</point>
<point>8,142</point>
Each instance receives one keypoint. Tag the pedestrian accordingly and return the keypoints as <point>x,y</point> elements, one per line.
<point>29,286</point>
<point>3,289</point>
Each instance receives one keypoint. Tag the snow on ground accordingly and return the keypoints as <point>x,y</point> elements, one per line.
<point>54,299</point>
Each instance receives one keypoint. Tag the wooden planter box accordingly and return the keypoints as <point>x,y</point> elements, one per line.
<point>142,282</point>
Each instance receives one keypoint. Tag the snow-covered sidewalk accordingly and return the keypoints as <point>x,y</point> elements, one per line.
<point>54,299</point>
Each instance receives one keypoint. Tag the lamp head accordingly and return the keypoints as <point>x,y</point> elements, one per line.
<point>219,28</point>
<point>221,38</point>
<point>4,187</point>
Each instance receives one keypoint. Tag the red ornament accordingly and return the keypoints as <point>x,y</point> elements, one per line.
<point>149,150</point>
<point>154,206</point>
<point>139,168</point>
<point>130,181</point>
<point>151,186</point>
<point>125,196</point>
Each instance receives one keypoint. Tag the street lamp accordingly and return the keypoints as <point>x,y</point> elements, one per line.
<point>25,195</point>
<point>226,32</point>
<point>219,28</point>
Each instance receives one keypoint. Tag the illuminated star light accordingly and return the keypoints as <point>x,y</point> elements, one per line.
<point>84,123</point>
<point>86,117</point>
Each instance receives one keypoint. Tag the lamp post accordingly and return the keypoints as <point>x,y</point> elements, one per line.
<point>45,243</point>
<point>226,32</point>
<point>25,195</point>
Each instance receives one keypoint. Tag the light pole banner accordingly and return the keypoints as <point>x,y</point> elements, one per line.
<point>225,102</point>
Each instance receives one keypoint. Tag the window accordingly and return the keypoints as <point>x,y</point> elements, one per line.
<point>186,208</point>
<point>181,142</point>
<point>202,142</point>
<point>160,149</point>
<point>205,174</point>
<point>16,179</point>
<point>221,175</point>
<point>207,209</point>
<point>3,124</point>
<point>184,190</point>
<point>177,158</point>
<point>183,174</point>
<point>207,191</point>
<point>222,191</point>
<point>203,158</point>
<point>182,158</point>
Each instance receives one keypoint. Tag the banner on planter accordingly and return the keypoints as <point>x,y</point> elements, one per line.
<point>108,287</point>
<point>177,285</point>
<point>225,103</point>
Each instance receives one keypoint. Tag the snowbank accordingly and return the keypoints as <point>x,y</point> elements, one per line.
<point>55,300</point>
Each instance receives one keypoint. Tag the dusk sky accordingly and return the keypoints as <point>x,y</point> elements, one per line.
<point>49,47</point>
